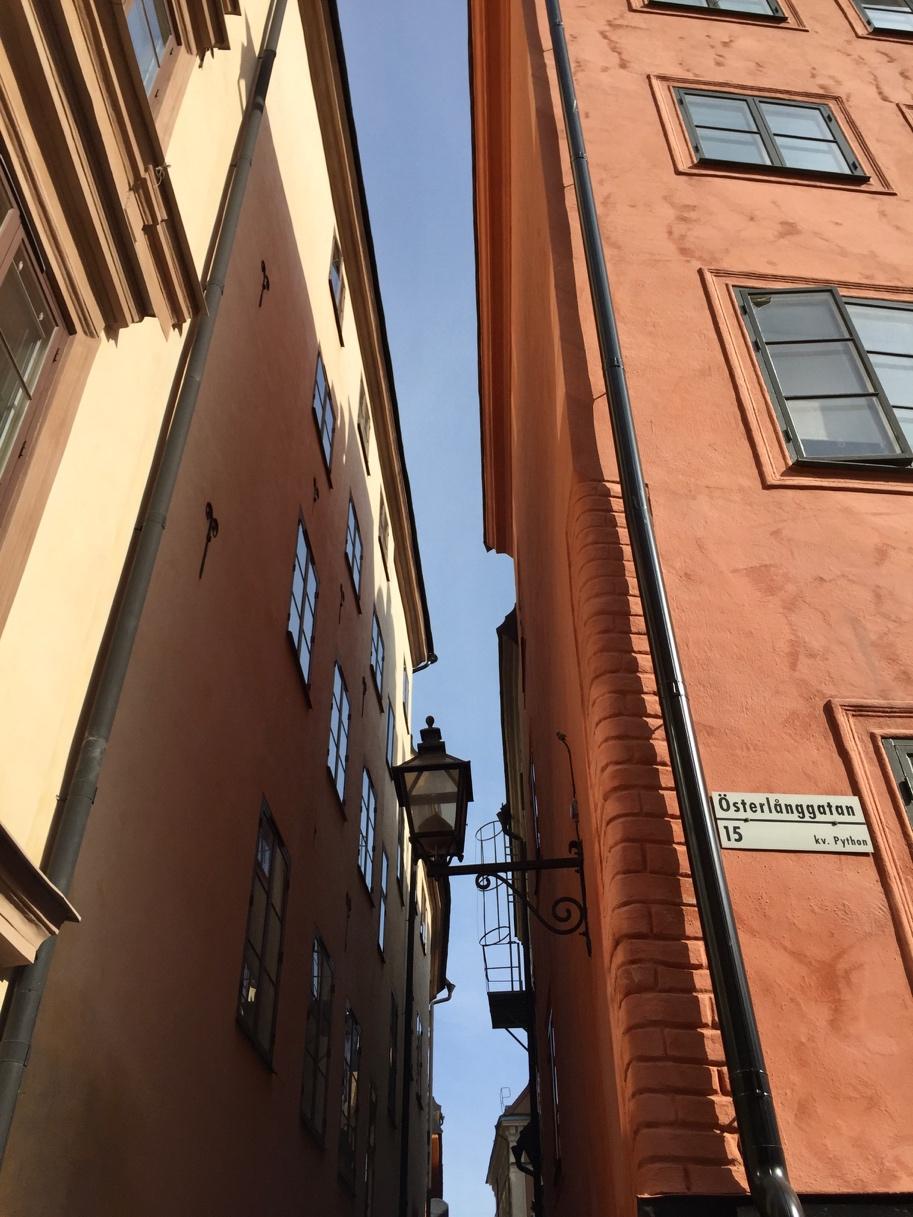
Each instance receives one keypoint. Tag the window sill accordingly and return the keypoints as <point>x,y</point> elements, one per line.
<point>31,908</point>
<point>779,173</point>
<point>789,19</point>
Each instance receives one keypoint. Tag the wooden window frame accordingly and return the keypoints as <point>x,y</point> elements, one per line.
<point>904,458</point>
<point>266,829</point>
<point>337,294</point>
<point>855,172</point>
<point>297,635</point>
<point>323,409</point>
<point>348,1110</point>
<point>382,902</point>
<point>318,1030</point>
<point>364,425</point>
<point>367,830</point>
<point>338,750</point>
<point>378,657</point>
<point>355,550</point>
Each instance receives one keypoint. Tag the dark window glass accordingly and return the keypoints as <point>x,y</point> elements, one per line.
<point>891,16</point>
<point>382,915</point>
<point>400,848</point>
<point>553,1072</point>
<point>383,532</point>
<point>419,1058</point>
<point>761,8</point>
<point>366,829</point>
<point>422,926</point>
<point>28,328</point>
<point>324,414</point>
<point>317,1041</point>
<point>364,423</point>
<point>406,694</point>
<point>263,942</point>
<point>377,654</point>
<point>534,807</point>
<point>337,283</point>
<point>354,550</point>
<point>393,1060</point>
<point>348,1116</point>
<point>150,33</point>
<point>900,756</point>
<point>391,734</point>
<point>302,614</point>
<point>763,131</point>
<point>340,717</point>
<point>840,372</point>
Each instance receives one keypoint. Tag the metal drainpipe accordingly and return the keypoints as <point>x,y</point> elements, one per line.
<point>761,1147</point>
<point>76,804</point>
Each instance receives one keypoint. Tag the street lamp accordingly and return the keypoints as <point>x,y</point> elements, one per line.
<point>435,789</point>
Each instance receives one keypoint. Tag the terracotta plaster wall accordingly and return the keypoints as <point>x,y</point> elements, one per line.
<point>142,1095</point>
<point>788,596</point>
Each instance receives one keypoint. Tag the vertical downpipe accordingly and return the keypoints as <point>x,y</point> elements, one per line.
<point>76,803</point>
<point>761,1147</point>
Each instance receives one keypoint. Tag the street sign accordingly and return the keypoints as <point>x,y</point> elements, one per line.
<point>813,823</point>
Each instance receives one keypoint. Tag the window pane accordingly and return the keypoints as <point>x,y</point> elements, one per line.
<point>159,24</point>
<point>815,369</point>
<point>748,6</point>
<point>806,121</point>
<point>905,418</point>
<point>266,999</point>
<point>884,329</point>
<point>257,916</point>
<point>812,154</point>
<point>738,146</point>
<point>277,885</point>
<point>730,112</point>
<point>273,939</point>
<point>688,3</point>
<point>851,426</point>
<point>789,315</point>
<point>25,323</point>
<point>143,45</point>
<point>896,375</point>
<point>890,19</point>
<point>14,402</point>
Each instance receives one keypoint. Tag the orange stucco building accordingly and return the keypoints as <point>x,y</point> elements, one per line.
<point>225,1031</point>
<point>750,162</point>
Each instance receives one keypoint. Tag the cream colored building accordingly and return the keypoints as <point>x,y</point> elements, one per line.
<point>269,684</point>
<point>512,1187</point>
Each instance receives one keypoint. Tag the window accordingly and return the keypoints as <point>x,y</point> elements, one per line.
<point>370,1150</point>
<point>30,335</point>
<point>348,1116</point>
<point>393,1059</point>
<point>400,849</point>
<point>840,372</point>
<point>152,38</point>
<point>406,694</point>
<point>900,755</point>
<point>364,423</point>
<point>553,1071</point>
<point>354,547</point>
<point>302,613</point>
<point>419,1058</point>
<point>337,284</point>
<point>263,940</point>
<point>534,807</point>
<point>800,137</point>
<point>377,654</point>
<point>391,734</point>
<point>888,16</point>
<point>317,1041</point>
<point>366,829</point>
<point>340,716</point>
<point>422,927</point>
<point>324,414</point>
<point>382,915</point>
<point>383,534</point>
<point>754,8</point>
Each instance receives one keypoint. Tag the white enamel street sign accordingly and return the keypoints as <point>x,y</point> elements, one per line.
<point>814,823</point>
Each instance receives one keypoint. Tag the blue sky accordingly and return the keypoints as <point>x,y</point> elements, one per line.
<point>407,65</point>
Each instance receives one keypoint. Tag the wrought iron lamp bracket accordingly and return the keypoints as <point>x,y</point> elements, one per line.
<point>568,914</point>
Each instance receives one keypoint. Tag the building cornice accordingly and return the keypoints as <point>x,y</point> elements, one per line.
<point>328,72</point>
<point>490,107</point>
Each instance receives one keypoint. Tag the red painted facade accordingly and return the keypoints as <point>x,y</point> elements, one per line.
<point>787,585</point>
